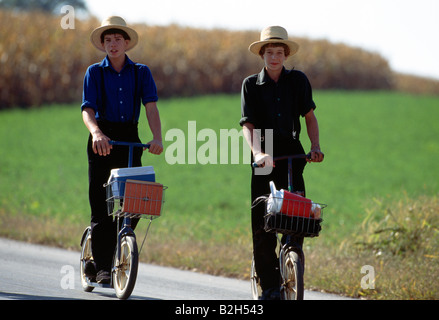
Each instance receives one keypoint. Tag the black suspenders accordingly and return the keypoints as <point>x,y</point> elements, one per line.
<point>136,100</point>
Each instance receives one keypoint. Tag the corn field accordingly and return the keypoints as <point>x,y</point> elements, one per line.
<point>42,63</point>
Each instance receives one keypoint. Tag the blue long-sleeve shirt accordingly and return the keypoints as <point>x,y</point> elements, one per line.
<point>119,96</point>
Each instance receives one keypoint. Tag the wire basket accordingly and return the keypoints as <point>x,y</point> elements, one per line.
<point>135,198</point>
<point>294,217</point>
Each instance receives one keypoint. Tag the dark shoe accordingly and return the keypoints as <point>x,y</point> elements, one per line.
<point>103,277</point>
<point>271,294</point>
<point>90,271</point>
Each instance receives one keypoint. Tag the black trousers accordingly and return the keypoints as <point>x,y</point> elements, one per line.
<point>264,243</point>
<point>103,228</point>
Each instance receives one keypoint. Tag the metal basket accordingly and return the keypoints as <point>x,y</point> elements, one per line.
<point>298,218</point>
<point>135,198</point>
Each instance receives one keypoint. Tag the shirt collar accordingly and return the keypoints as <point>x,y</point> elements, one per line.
<point>263,76</point>
<point>105,63</point>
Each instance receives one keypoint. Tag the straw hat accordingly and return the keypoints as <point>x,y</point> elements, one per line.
<point>274,34</point>
<point>113,22</point>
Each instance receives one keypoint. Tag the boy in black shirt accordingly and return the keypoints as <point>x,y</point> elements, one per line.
<point>274,100</point>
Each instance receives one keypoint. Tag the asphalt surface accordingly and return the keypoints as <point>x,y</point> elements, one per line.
<point>35,272</point>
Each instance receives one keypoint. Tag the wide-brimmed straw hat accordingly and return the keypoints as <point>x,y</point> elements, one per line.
<point>113,22</point>
<point>273,34</point>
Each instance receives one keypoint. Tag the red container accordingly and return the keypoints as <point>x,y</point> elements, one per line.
<point>143,197</point>
<point>295,205</point>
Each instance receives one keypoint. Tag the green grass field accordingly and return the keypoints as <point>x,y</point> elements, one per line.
<point>379,146</point>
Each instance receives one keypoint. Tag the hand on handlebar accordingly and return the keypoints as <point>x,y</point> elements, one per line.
<point>264,159</point>
<point>101,144</point>
<point>316,155</point>
<point>155,147</point>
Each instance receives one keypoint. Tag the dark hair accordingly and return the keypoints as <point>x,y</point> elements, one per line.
<point>114,31</point>
<point>276,44</point>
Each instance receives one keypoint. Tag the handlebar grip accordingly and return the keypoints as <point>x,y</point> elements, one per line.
<point>133,144</point>
<point>296,156</point>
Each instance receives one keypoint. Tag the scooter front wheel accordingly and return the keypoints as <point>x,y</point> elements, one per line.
<point>125,268</point>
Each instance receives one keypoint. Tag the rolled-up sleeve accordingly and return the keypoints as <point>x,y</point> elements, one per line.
<point>149,88</point>
<point>247,107</point>
<point>306,102</point>
<point>90,91</point>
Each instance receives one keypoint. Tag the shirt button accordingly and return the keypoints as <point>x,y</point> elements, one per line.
<point>121,102</point>
<point>120,89</point>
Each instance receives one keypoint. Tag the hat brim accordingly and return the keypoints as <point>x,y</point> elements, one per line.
<point>255,47</point>
<point>95,36</point>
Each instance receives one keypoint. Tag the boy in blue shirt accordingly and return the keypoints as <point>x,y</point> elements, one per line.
<point>113,91</point>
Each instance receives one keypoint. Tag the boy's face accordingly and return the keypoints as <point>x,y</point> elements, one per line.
<point>274,58</point>
<point>115,45</point>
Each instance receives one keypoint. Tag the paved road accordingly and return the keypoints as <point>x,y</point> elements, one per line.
<point>35,272</point>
